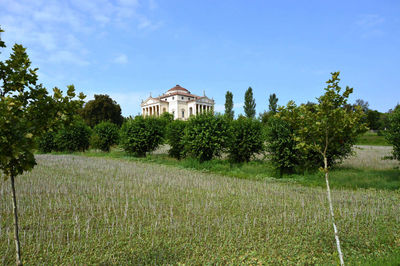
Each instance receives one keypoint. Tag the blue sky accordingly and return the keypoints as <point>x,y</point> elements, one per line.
<point>129,48</point>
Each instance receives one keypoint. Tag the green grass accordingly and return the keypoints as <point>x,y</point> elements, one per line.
<point>340,177</point>
<point>86,210</point>
<point>371,138</point>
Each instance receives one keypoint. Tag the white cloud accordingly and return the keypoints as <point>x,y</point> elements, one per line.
<point>369,25</point>
<point>121,59</point>
<point>52,29</point>
<point>370,20</point>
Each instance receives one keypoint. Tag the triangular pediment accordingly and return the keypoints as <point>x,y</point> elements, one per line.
<point>150,100</point>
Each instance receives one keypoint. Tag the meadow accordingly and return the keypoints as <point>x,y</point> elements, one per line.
<point>85,210</point>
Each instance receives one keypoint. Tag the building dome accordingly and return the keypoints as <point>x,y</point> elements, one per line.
<point>178,88</point>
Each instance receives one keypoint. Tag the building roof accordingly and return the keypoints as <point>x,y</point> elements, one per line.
<point>178,88</point>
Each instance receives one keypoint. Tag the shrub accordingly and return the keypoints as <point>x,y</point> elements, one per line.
<point>104,136</point>
<point>74,137</point>
<point>392,133</point>
<point>247,139</point>
<point>281,145</point>
<point>174,135</point>
<point>141,135</point>
<point>206,136</point>
<point>46,142</point>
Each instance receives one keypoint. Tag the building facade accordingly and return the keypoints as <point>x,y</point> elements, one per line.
<point>179,102</point>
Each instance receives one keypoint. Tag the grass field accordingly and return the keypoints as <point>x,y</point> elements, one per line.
<point>82,210</point>
<point>372,138</point>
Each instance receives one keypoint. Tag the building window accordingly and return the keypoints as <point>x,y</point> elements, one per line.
<point>183,114</point>
<point>173,113</point>
<point>173,98</point>
<point>182,98</point>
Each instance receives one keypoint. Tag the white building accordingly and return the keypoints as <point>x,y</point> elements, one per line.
<point>179,102</point>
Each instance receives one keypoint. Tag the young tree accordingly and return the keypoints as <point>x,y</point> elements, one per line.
<point>102,108</point>
<point>229,105</point>
<point>330,125</point>
<point>24,115</point>
<point>249,103</point>
<point>273,103</point>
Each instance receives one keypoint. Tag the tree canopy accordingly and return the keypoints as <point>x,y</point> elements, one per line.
<point>102,108</point>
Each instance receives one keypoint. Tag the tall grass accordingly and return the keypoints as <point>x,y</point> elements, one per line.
<point>81,210</point>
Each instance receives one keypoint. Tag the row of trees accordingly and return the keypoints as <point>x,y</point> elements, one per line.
<point>374,119</point>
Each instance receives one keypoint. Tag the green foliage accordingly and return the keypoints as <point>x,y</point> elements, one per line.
<point>374,119</point>
<point>247,139</point>
<point>273,103</point>
<point>229,105</point>
<point>206,136</point>
<point>249,103</point>
<point>392,133</point>
<point>22,115</point>
<point>105,134</point>
<point>102,108</point>
<point>46,142</point>
<point>141,135</point>
<point>74,137</point>
<point>281,145</point>
<point>329,128</point>
<point>174,135</point>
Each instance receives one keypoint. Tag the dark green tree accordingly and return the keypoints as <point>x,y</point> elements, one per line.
<point>392,132</point>
<point>249,103</point>
<point>141,135</point>
<point>175,135</point>
<point>374,119</point>
<point>273,103</point>
<point>247,139</point>
<point>206,136</point>
<point>105,134</point>
<point>229,105</point>
<point>102,108</point>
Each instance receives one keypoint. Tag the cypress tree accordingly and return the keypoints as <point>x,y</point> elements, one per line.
<point>249,103</point>
<point>229,105</point>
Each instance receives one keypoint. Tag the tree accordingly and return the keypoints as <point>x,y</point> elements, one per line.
<point>23,116</point>
<point>392,133</point>
<point>141,135</point>
<point>374,119</point>
<point>102,108</point>
<point>105,134</point>
<point>66,109</point>
<point>247,139</point>
<point>206,136</point>
<point>229,105</point>
<point>249,103</point>
<point>330,126</point>
<point>363,104</point>
<point>174,135</point>
<point>273,103</point>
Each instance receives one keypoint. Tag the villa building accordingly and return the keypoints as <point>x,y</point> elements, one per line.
<point>179,102</point>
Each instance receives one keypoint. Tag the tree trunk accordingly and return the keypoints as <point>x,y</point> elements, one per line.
<point>331,211</point>
<point>16,236</point>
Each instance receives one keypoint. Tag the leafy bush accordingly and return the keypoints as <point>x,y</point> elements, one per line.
<point>141,135</point>
<point>174,135</point>
<point>392,133</point>
<point>74,137</point>
<point>46,142</point>
<point>206,136</point>
<point>104,136</point>
<point>247,139</point>
<point>281,145</point>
